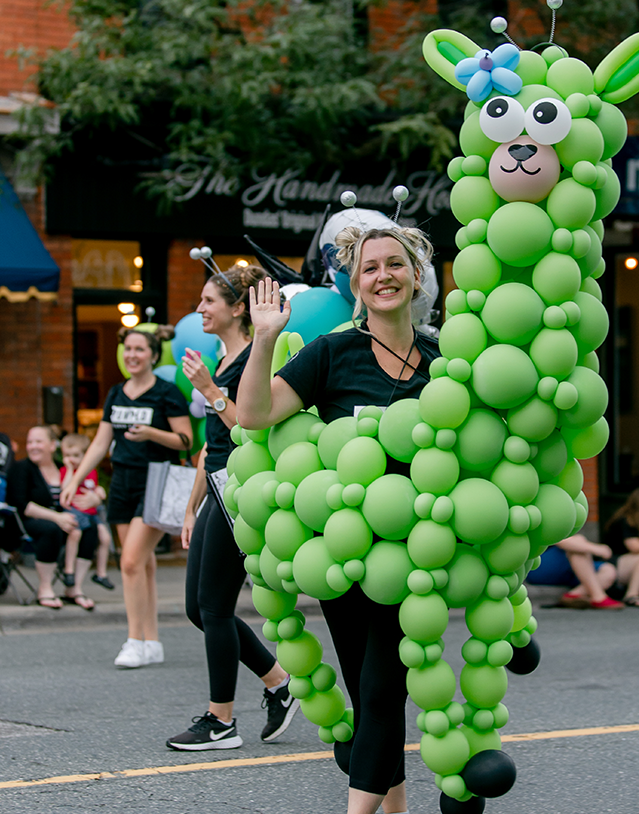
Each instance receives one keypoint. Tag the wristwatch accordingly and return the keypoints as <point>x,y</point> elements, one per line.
<point>219,405</point>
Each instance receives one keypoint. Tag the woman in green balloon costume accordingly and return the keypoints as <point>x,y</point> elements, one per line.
<point>493,441</point>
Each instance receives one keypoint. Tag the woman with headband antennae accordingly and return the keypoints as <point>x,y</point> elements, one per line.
<point>215,566</point>
<point>376,363</point>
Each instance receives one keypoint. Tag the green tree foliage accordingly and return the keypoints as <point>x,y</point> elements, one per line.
<point>244,85</point>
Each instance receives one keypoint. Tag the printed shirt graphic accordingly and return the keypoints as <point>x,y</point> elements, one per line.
<point>89,484</point>
<point>152,408</point>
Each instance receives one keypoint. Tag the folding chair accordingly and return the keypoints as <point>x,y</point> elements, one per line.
<point>9,559</point>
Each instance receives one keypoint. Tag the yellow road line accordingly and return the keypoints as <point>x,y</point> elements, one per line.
<point>294,758</point>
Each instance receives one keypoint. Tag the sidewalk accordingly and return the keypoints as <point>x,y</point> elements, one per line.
<point>110,604</point>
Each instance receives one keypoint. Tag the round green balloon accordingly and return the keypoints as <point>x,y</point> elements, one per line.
<point>310,498</point>
<point>614,129</point>
<point>518,482</point>
<point>444,403</point>
<point>389,506</point>
<point>250,459</point>
<point>571,205</point>
<point>480,440</point>
<point>570,479</point>
<point>608,196</point>
<point>467,577</point>
<point>512,314</point>
<point>294,429</point>
<point>463,337</point>
<point>480,741</point>
<point>534,420</point>
<point>592,401</point>
<point>250,540</point>
<point>445,755</point>
<point>300,656</point>
<point>347,535</point>
<point>431,686</point>
<point>503,376</point>
<point>272,604</point>
<point>473,197</point>
<point>592,328</point>
<point>557,516</point>
<point>519,233</point>
<point>396,429</point>
<point>476,268</point>
<point>551,457</point>
<point>334,437</point>
<point>481,511</point>
<point>588,442</point>
<point>253,508</point>
<point>490,620</point>
<point>361,460</point>
<point>507,553</point>
<point>310,565</point>
<point>297,461</point>
<point>483,686</point>
<point>324,708</point>
<point>387,568</point>
<point>285,533</point>
<point>556,278</point>
<point>423,619</point>
<point>431,544</point>
<point>554,352</point>
<point>434,470</point>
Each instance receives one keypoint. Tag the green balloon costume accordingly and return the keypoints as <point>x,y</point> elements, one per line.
<point>493,442</point>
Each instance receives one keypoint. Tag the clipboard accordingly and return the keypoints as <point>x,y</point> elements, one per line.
<point>217,481</point>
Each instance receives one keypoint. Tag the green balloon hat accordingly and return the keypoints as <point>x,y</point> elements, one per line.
<point>494,441</point>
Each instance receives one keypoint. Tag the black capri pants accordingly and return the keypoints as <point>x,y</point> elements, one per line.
<point>214,576</point>
<point>48,540</point>
<point>366,636</point>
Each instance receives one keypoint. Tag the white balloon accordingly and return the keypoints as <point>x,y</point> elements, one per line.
<point>400,193</point>
<point>198,398</point>
<point>206,252</point>
<point>348,198</point>
<point>195,254</point>
<point>196,410</point>
<point>292,289</point>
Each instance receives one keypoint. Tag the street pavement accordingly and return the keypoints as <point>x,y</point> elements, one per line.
<point>94,736</point>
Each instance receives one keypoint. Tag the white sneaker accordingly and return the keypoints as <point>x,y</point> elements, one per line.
<point>131,654</point>
<point>153,652</point>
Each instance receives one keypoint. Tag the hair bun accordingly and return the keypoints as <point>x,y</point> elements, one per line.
<point>164,332</point>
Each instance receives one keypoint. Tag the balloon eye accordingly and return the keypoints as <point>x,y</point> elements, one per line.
<point>501,119</point>
<point>548,121</point>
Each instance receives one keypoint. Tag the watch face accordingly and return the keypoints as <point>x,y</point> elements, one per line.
<point>219,405</point>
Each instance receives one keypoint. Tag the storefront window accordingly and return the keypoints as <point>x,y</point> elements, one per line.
<point>107,264</point>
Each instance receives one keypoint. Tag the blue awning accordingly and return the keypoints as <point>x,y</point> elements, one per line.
<point>26,267</point>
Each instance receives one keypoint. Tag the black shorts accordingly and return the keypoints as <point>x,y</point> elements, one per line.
<point>126,494</point>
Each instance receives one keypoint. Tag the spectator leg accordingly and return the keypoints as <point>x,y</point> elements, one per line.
<point>585,572</point>
<point>628,565</point>
<point>71,551</point>
<point>46,572</point>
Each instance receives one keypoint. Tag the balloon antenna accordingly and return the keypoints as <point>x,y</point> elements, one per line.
<point>553,5</point>
<point>349,199</point>
<point>498,25</point>
<point>150,313</point>
<point>400,193</point>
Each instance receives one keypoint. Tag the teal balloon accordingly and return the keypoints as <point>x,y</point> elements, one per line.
<point>387,568</point>
<point>504,376</point>
<point>480,440</point>
<point>189,334</point>
<point>310,498</point>
<point>467,577</point>
<point>513,313</point>
<point>334,437</point>
<point>288,432</point>
<point>310,565</point>
<point>389,506</point>
<point>166,372</point>
<point>481,511</point>
<point>317,311</point>
<point>396,429</point>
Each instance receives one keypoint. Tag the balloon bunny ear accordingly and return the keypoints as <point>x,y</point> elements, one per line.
<point>444,49</point>
<point>617,76</point>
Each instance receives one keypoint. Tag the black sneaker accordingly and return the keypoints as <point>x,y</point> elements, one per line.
<point>105,582</point>
<point>281,707</point>
<point>206,733</point>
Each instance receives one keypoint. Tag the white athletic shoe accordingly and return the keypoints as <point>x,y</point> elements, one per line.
<point>131,655</point>
<point>153,652</point>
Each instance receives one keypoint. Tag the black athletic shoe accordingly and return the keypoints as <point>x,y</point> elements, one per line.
<point>105,582</point>
<point>206,733</point>
<point>281,706</point>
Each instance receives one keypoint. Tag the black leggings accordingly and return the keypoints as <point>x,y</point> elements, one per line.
<point>214,576</point>
<point>366,636</point>
<point>48,539</point>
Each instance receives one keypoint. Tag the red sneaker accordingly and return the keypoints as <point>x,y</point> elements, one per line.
<point>607,604</point>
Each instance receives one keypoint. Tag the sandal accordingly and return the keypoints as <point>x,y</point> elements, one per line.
<point>80,600</point>
<point>51,602</point>
<point>575,601</point>
<point>632,601</point>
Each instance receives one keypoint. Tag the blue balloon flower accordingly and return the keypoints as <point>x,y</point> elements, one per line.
<point>488,71</point>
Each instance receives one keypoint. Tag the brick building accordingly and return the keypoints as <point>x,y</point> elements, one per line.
<point>90,213</point>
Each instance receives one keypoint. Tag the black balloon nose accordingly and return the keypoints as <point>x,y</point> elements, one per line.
<point>522,152</point>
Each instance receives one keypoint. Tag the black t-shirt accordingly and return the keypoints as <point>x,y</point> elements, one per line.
<point>153,407</point>
<point>218,435</point>
<point>26,484</point>
<point>338,373</point>
<point>616,535</point>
